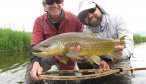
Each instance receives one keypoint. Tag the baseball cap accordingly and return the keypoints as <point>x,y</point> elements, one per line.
<point>85,5</point>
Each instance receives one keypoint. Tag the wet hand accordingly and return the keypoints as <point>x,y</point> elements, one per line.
<point>119,51</point>
<point>80,58</point>
<point>104,66</point>
<point>119,48</point>
<point>74,54</point>
<point>62,59</point>
<point>36,70</point>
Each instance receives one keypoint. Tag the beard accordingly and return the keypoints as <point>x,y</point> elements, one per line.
<point>95,21</point>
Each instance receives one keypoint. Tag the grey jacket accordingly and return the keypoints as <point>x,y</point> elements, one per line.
<point>114,27</point>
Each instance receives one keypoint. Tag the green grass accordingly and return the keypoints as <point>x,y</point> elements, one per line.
<point>139,39</point>
<point>14,41</point>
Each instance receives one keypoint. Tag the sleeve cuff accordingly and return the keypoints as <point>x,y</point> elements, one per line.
<point>35,59</point>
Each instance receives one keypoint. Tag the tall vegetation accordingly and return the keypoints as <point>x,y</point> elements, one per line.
<point>139,39</point>
<point>14,41</point>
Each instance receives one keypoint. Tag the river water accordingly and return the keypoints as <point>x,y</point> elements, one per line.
<point>139,60</point>
<point>16,75</point>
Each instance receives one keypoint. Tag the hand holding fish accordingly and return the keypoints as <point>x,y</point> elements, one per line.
<point>91,47</point>
<point>103,65</point>
<point>119,50</point>
<point>62,59</point>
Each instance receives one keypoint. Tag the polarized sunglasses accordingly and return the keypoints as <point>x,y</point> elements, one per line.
<point>50,2</point>
<point>84,14</point>
<point>92,10</point>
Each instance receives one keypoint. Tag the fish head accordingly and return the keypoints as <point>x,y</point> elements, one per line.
<point>43,50</point>
<point>40,47</point>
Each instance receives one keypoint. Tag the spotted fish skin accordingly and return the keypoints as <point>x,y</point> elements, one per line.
<point>90,45</point>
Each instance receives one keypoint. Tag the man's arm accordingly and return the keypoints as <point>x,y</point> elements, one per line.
<point>37,37</point>
<point>32,57</point>
<point>122,30</point>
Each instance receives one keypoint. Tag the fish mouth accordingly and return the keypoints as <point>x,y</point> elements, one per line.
<point>37,52</point>
<point>38,49</point>
<point>40,53</point>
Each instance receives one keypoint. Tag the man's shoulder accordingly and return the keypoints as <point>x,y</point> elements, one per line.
<point>70,15</point>
<point>42,17</point>
<point>114,16</point>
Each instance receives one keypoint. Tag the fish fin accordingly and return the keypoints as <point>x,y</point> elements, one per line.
<point>64,60</point>
<point>122,42</point>
<point>94,59</point>
<point>114,55</point>
<point>72,52</point>
<point>90,60</point>
<point>122,38</point>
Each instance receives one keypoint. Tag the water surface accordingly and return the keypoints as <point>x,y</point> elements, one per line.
<point>139,60</point>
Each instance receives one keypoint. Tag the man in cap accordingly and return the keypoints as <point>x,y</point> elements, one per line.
<point>55,21</point>
<point>104,25</point>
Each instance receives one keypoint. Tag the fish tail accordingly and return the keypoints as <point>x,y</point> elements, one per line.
<point>122,40</point>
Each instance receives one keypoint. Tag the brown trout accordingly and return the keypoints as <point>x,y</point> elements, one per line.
<point>91,46</point>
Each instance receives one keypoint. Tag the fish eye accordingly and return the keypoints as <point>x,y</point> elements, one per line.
<point>59,43</point>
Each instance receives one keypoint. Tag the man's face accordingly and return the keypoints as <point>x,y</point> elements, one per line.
<point>53,8</point>
<point>94,17</point>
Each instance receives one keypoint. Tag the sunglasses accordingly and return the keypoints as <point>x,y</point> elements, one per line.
<point>85,14</point>
<point>92,10</point>
<point>50,2</point>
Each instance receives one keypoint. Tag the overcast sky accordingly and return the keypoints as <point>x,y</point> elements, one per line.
<point>20,14</point>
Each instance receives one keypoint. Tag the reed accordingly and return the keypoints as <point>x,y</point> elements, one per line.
<point>139,39</point>
<point>14,41</point>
